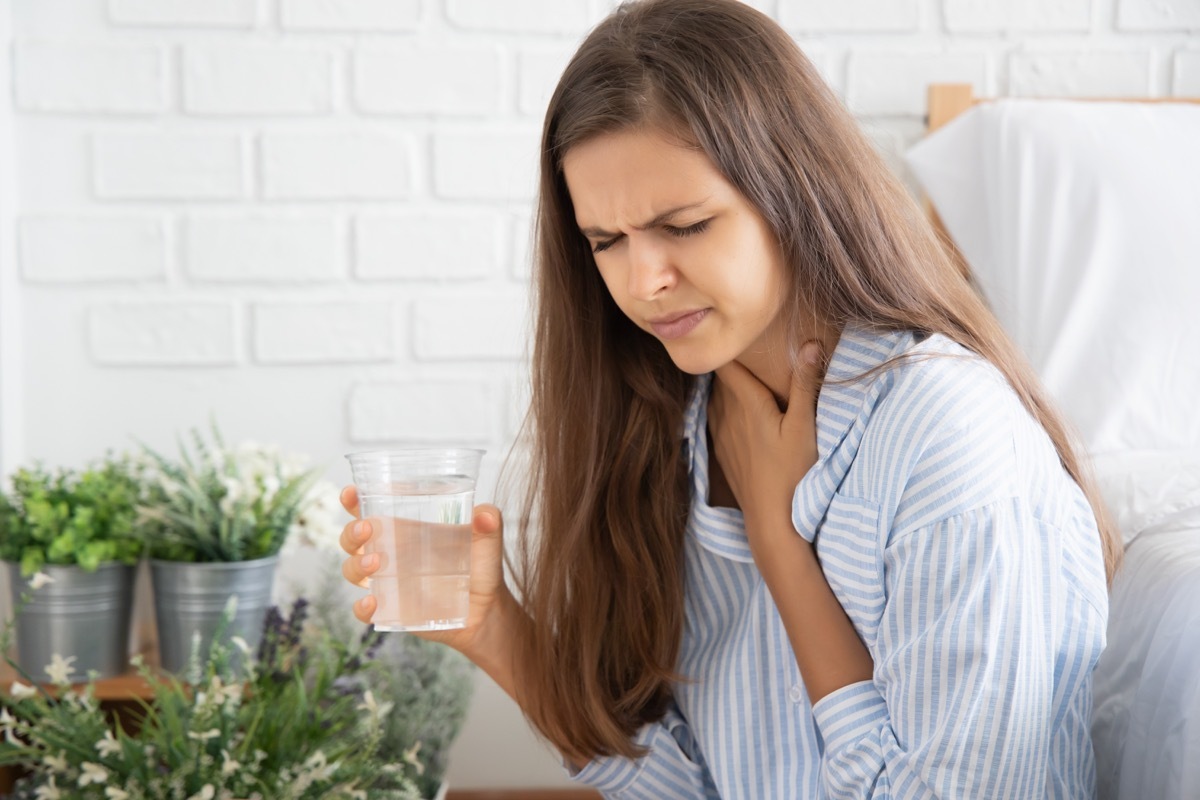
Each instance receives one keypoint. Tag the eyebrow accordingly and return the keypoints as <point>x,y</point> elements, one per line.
<point>599,233</point>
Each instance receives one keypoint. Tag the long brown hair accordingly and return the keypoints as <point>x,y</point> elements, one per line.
<point>602,583</point>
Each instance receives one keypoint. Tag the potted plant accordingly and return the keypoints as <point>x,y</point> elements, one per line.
<point>428,686</point>
<point>72,535</point>
<point>296,721</point>
<point>214,522</point>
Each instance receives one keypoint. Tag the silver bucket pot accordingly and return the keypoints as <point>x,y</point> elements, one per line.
<point>190,598</point>
<point>81,614</point>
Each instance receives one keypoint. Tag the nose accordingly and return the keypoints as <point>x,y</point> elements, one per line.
<point>650,270</point>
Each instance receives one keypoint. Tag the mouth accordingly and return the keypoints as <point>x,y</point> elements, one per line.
<point>674,326</point>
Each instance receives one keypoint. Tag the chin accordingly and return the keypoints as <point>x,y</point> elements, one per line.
<point>694,362</point>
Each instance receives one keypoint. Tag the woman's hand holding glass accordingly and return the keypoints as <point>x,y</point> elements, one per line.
<point>487,590</point>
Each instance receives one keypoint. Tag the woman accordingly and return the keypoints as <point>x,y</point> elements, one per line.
<point>808,525</point>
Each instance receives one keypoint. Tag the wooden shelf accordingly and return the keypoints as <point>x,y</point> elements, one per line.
<point>126,686</point>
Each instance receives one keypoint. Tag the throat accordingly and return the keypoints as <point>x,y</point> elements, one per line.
<point>719,493</point>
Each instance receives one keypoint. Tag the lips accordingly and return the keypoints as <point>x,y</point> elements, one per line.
<point>678,325</point>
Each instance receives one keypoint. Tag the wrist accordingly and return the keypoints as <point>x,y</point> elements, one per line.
<point>491,649</point>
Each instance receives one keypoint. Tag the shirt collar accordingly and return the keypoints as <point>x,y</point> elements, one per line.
<point>842,402</point>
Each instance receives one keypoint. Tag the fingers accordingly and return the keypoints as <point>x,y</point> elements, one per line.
<point>349,500</point>
<point>744,384</point>
<point>357,569</point>
<point>354,535</point>
<point>807,377</point>
<point>487,520</point>
<point>364,609</point>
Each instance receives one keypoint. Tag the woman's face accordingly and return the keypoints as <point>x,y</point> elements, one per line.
<point>684,255</point>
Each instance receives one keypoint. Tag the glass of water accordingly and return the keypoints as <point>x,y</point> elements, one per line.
<point>419,504</point>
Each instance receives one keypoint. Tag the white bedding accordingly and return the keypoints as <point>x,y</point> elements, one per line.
<point>1146,725</point>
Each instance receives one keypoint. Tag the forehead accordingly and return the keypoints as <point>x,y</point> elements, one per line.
<point>628,176</point>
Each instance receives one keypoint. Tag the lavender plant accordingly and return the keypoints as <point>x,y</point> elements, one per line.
<point>428,685</point>
<point>301,723</point>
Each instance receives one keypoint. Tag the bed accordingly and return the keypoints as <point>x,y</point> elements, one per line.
<point>1080,221</point>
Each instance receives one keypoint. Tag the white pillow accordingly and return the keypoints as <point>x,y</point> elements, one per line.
<point>1081,221</point>
<point>1150,492</point>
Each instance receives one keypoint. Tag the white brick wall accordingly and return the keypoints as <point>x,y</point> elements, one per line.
<point>311,218</point>
<point>475,326</point>
<point>869,16</point>
<point>1090,73</point>
<point>163,333</point>
<point>79,249</point>
<point>323,332</point>
<point>894,82</point>
<point>346,165</point>
<point>986,16</point>
<point>374,16</point>
<point>429,79</point>
<point>185,13</point>
<point>501,164</point>
<point>521,16</point>
<point>247,249</point>
<point>168,166</point>
<point>82,78</point>
<point>426,411</point>
<point>257,79</point>
<point>445,246</point>
<point>1187,74</point>
<point>1158,15</point>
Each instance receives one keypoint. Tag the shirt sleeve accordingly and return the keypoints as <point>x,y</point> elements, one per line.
<point>672,769</point>
<point>961,700</point>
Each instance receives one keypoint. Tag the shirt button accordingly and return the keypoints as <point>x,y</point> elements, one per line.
<point>796,694</point>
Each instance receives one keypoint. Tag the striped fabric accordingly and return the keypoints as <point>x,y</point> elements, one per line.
<point>969,564</point>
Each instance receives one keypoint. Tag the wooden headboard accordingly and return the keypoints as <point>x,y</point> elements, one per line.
<point>947,100</point>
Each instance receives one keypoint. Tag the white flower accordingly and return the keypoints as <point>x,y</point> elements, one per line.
<point>375,709</point>
<point>48,792</point>
<point>108,745</point>
<point>21,691</point>
<point>57,763</point>
<point>242,644</point>
<point>39,580</point>
<point>225,693</point>
<point>93,773</point>
<point>9,723</point>
<point>233,495</point>
<point>59,669</point>
<point>204,736</point>
<point>204,794</point>
<point>410,758</point>
<point>228,765</point>
<point>270,486</point>
<point>113,793</point>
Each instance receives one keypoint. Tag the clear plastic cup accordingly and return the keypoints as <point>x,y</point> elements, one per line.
<point>419,504</point>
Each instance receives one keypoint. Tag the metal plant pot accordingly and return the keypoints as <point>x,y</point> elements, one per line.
<point>81,614</point>
<point>190,598</point>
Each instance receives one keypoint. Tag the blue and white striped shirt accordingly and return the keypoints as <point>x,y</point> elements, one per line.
<point>970,565</point>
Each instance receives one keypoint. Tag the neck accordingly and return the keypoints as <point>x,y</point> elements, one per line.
<point>772,365</point>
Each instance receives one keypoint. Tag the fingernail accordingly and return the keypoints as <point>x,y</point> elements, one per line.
<point>362,530</point>
<point>370,562</point>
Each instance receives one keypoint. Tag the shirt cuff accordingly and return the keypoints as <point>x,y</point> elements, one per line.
<point>613,774</point>
<point>845,716</point>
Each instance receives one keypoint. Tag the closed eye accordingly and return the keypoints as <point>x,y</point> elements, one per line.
<point>690,230</point>
<point>679,233</point>
<point>600,247</point>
